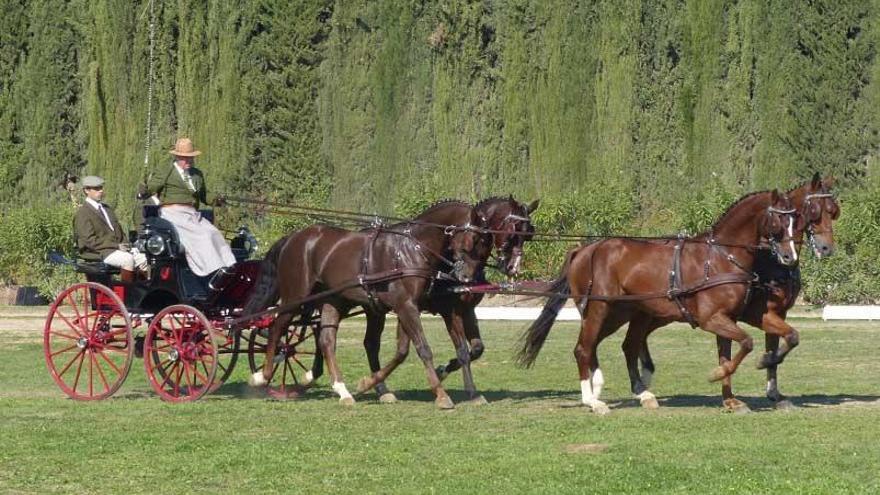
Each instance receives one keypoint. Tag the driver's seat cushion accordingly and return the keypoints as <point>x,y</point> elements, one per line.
<point>94,268</point>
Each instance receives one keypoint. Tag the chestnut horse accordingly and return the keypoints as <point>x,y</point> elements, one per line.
<point>510,226</point>
<point>622,280</point>
<point>395,265</point>
<point>772,296</point>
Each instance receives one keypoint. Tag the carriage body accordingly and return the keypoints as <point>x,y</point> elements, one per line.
<point>172,319</point>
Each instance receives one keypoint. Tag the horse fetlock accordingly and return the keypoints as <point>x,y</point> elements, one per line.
<point>363,385</point>
<point>647,377</point>
<point>257,380</point>
<point>719,373</point>
<point>308,378</point>
<point>442,373</point>
<point>767,360</point>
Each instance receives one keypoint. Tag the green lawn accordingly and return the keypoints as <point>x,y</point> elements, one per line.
<point>532,437</point>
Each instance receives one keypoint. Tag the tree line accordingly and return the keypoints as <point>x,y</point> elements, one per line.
<point>627,116</point>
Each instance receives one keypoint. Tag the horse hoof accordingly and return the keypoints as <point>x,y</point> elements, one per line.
<point>736,406</point>
<point>444,403</point>
<point>650,403</point>
<point>257,380</point>
<point>477,401</point>
<point>600,408</point>
<point>784,405</point>
<point>347,401</point>
<point>387,398</point>
<point>363,385</point>
<point>719,373</point>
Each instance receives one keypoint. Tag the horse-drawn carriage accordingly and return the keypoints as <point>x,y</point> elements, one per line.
<point>193,335</point>
<point>90,336</point>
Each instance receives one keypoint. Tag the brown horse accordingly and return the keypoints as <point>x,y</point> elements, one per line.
<point>510,226</point>
<point>395,266</point>
<point>621,280</point>
<point>772,296</point>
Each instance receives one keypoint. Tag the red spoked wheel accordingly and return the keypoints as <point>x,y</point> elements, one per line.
<point>87,341</point>
<point>295,354</point>
<point>227,354</point>
<point>180,354</point>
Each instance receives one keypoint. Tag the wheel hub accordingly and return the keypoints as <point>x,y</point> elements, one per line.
<point>173,355</point>
<point>82,342</point>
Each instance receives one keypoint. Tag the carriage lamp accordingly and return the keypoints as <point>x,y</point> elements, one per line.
<point>155,245</point>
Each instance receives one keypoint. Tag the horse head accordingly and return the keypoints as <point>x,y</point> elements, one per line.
<point>817,212</point>
<point>777,227</point>
<point>511,226</point>
<point>470,245</point>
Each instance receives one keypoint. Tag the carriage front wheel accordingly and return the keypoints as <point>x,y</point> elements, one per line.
<point>87,341</point>
<point>180,353</point>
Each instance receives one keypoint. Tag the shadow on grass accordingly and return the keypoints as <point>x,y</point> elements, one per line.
<point>552,398</point>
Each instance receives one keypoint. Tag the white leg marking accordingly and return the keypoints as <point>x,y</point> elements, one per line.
<point>587,393</point>
<point>257,380</point>
<point>791,237</point>
<point>340,389</point>
<point>308,378</point>
<point>598,381</point>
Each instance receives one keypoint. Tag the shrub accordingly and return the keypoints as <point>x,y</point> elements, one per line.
<point>27,236</point>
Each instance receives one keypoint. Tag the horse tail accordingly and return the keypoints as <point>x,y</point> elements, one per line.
<point>533,338</point>
<point>265,292</point>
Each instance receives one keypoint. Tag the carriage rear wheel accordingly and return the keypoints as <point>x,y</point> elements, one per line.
<point>87,341</point>
<point>295,356</point>
<point>227,354</point>
<point>180,354</point>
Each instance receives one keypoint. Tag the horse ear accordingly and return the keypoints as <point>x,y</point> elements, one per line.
<point>774,196</point>
<point>828,182</point>
<point>816,182</point>
<point>533,206</point>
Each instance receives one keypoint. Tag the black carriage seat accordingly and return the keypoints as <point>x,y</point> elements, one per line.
<point>94,268</point>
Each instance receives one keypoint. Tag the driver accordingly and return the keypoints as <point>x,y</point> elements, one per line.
<point>181,189</point>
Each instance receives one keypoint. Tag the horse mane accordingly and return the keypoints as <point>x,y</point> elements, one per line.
<point>444,201</point>
<point>723,216</point>
<point>494,198</point>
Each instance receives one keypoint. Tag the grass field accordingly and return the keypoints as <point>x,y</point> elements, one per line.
<point>532,437</point>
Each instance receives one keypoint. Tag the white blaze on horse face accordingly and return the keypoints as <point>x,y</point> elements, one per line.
<point>340,389</point>
<point>794,252</point>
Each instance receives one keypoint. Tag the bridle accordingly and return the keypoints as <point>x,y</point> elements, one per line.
<point>789,232</point>
<point>510,226</point>
<point>810,229</point>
